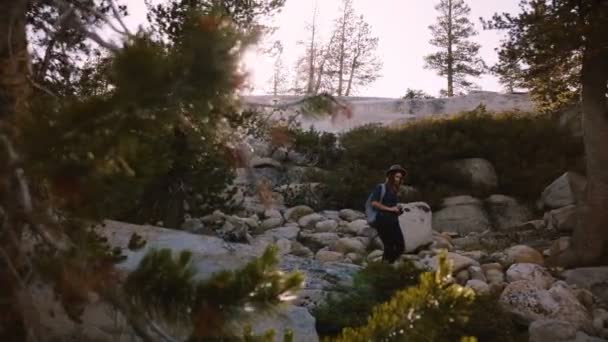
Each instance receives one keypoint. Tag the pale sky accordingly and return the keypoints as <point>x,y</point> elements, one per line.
<point>401,25</point>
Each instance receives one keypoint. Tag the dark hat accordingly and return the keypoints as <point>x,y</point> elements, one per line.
<point>396,168</point>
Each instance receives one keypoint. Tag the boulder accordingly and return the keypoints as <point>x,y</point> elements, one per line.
<point>479,286</point>
<point>356,227</point>
<point>495,276</point>
<point>318,240</point>
<point>524,254</point>
<point>563,219</point>
<point>293,214</point>
<point>530,272</point>
<point>289,233</point>
<point>416,225</point>
<point>351,215</point>
<point>544,330</point>
<point>476,174</point>
<point>324,255</point>
<point>462,215</point>
<point>349,245</point>
<point>458,261</point>
<point>326,226</point>
<point>530,302</point>
<point>506,212</point>
<point>563,191</point>
<point>594,279</point>
<point>309,221</point>
<point>270,223</point>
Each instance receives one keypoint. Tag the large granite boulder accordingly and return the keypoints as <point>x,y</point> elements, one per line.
<point>563,219</point>
<point>461,214</point>
<point>506,212</point>
<point>564,191</point>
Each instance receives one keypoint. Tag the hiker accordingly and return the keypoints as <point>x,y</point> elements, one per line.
<point>384,200</point>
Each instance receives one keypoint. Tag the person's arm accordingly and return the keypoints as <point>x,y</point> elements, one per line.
<point>376,204</point>
<point>383,207</point>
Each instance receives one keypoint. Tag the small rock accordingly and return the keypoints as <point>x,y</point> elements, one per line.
<point>462,277</point>
<point>531,272</point>
<point>295,213</point>
<point>495,276</point>
<point>347,245</point>
<point>477,273</point>
<point>356,227</point>
<point>375,255</point>
<point>545,330</point>
<point>309,221</point>
<point>525,254</point>
<point>351,215</point>
<point>328,256</point>
<point>326,226</point>
<point>270,223</point>
<point>480,287</point>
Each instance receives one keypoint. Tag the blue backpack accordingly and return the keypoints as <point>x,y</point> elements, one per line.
<point>370,211</point>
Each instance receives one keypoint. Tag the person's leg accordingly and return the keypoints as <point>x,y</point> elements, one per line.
<point>396,241</point>
<point>382,226</point>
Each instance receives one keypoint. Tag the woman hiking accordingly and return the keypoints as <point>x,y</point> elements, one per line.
<point>384,201</point>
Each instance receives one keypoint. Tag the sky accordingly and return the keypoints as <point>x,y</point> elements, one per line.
<point>402,28</point>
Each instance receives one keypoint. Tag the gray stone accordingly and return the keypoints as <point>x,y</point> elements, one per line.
<point>326,226</point>
<point>594,279</point>
<point>563,191</point>
<point>416,225</point>
<point>458,261</point>
<point>270,223</point>
<point>479,286</point>
<point>289,233</point>
<point>545,330</point>
<point>530,302</point>
<point>324,255</point>
<point>356,227</point>
<point>563,219</point>
<point>347,245</point>
<point>351,215</point>
<point>318,240</point>
<point>506,212</point>
<point>293,214</point>
<point>530,272</point>
<point>309,221</point>
<point>461,217</point>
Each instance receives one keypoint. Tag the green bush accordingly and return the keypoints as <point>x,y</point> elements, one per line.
<point>527,150</point>
<point>436,309</point>
<point>374,284</point>
<point>320,147</point>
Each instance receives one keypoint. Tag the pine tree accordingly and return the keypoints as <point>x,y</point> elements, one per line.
<point>457,57</point>
<point>67,161</point>
<point>564,46</point>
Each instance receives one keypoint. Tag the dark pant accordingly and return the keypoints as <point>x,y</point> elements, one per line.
<point>387,225</point>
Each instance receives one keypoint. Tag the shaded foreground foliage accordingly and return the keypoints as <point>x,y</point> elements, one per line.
<point>432,309</point>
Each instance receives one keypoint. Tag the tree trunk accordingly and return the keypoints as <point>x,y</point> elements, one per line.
<point>353,67</point>
<point>311,58</point>
<point>450,52</point>
<point>590,239</point>
<point>13,94</point>
<point>342,53</point>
